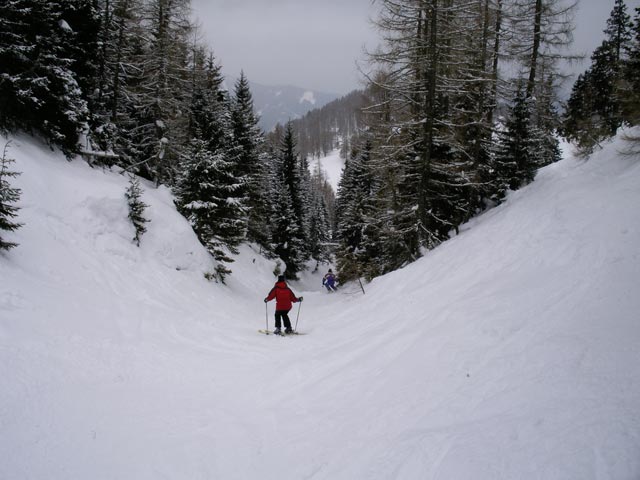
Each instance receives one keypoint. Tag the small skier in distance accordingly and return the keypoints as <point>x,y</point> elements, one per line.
<point>284,298</point>
<point>329,281</point>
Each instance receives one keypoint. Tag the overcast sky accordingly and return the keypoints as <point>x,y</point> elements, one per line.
<point>315,43</point>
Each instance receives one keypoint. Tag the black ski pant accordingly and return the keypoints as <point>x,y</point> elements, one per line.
<point>282,314</point>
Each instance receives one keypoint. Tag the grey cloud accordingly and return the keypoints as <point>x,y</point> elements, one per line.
<point>302,42</point>
<point>315,43</point>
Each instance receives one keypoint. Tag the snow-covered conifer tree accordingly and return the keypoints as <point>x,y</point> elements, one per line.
<point>208,191</point>
<point>289,176</point>
<point>39,90</point>
<point>514,164</point>
<point>321,216</point>
<point>8,197</point>
<point>81,20</point>
<point>205,196</point>
<point>248,138</point>
<point>595,109</point>
<point>319,228</point>
<point>136,208</point>
<point>291,173</point>
<point>306,195</point>
<point>578,122</point>
<point>286,235</point>
<point>355,211</point>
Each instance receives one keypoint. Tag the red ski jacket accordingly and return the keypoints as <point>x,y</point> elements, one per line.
<point>283,295</point>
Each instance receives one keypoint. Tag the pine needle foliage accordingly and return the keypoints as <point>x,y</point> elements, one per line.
<point>9,196</point>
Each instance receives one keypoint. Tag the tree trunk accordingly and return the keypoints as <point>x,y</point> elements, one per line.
<point>431,34</point>
<point>536,48</point>
<point>494,68</point>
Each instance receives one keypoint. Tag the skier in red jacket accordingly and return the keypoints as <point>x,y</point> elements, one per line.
<point>284,297</point>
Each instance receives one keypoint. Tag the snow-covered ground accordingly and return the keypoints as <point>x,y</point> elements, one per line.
<point>332,166</point>
<point>510,352</point>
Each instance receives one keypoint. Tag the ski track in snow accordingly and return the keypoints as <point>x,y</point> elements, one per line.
<point>510,351</point>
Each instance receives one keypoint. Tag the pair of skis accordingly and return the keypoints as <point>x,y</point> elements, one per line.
<point>281,334</point>
<point>268,332</point>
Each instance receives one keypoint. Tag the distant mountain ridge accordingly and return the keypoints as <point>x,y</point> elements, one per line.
<point>334,125</point>
<point>281,103</point>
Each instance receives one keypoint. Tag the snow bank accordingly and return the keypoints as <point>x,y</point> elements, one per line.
<point>510,351</point>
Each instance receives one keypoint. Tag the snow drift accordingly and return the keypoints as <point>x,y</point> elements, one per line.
<point>511,351</point>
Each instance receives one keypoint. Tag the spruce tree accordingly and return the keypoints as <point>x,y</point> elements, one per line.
<point>514,164</point>
<point>136,208</point>
<point>81,19</point>
<point>291,173</point>
<point>8,197</point>
<point>595,109</point>
<point>248,138</point>
<point>578,120</point>
<point>289,240</point>
<point>618,34</point>
<point>244,124</point>
<point>545,123</point>
<point>39,90</point>
<point>208,191</point>
<point>618,31</point>
<point>604,78</point>
<point>306,197</point>
<point>319,229</point>
<point>355,210</point>
<point>321,216</point>
<point>205,196</point>
<point>286,236</point>
<point>261,213</point>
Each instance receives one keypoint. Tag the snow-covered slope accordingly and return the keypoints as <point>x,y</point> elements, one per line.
<point>511,351</point>
<point>332,165</point>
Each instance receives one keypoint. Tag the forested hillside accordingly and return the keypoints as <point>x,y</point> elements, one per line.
<point>607,95</point>
<point>128,84</point>
<point>456,112</point>
<point>463,110</point>
<point>277,104</point>
<point>509,352</point>
<point>484,235</point>
<point>332,126</point>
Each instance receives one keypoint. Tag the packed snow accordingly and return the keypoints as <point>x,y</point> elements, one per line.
<point>511,351</point>
<point>332,166</point>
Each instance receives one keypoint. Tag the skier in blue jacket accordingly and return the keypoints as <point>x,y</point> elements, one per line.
<point>329,281</point>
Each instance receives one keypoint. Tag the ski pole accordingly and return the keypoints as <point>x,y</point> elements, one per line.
<point>297,316</point>
<point>266,317</point>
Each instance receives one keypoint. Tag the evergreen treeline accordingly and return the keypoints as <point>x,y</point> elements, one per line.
<point>447,131</point>
<point>332,126</point>
<point>607,94</point>
<point>127,83</point>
